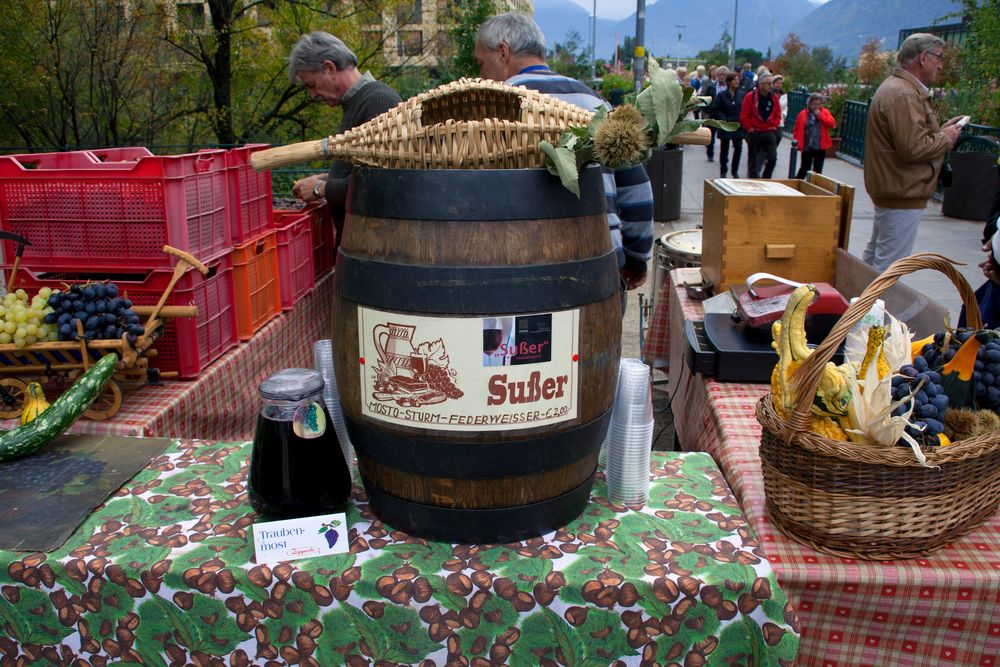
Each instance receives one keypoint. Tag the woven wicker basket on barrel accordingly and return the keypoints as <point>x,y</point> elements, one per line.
<point>868,501</point>
<point>467,124</point>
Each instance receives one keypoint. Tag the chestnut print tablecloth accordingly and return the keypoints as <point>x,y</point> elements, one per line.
<point>222,403</point>
<point>163,573</point>
<point>939,610</point>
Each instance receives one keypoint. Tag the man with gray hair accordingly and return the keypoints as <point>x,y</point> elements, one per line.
<point>329,71</point>
<point>710,89</point>
<point>511,48</point>
<point>904,149</point>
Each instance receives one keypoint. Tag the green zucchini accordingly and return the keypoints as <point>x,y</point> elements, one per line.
<point>59,416</point>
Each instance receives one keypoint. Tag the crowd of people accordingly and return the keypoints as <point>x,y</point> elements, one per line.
<point>758,103</point>
<point>904,145</point>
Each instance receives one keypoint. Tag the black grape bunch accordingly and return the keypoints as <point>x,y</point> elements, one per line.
<point>929,400</point>
<point>986,369</point>
<point>99,307</point>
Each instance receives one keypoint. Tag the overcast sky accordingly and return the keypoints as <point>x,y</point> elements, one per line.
<point>619,9</point>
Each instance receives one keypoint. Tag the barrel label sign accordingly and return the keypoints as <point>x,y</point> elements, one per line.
<point>432,372</point>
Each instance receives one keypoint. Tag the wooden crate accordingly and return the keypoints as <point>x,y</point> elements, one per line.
<point>790,236</point>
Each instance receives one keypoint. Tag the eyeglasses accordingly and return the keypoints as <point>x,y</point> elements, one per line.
<point>939,56</point>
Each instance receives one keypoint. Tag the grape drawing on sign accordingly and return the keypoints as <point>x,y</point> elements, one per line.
<point>411,375</point>
<point>329,531</point>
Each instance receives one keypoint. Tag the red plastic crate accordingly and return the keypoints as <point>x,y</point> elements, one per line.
<point>188,344</point>
<point>255,278</point>
<point>82,214</point>
<point>249,195</point>
<point>322,235</point>
<point>120,154</point>
<point>295,256</point>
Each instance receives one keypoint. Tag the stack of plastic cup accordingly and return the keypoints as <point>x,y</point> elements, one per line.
<point>323,356</point>
<point>630,435</point>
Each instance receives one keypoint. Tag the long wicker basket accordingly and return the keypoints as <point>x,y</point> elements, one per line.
<point>866,501</point>
<point>466,124</point>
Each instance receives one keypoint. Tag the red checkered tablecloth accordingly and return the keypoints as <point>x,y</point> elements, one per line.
<point>222,403</point>
<point>939,610</point>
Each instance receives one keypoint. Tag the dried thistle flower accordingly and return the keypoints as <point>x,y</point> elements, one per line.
<point>621,139</point>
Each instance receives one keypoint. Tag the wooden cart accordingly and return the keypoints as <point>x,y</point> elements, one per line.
<point>57,364</point>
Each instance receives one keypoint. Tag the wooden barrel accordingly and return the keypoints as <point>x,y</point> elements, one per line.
<point>477,333</point>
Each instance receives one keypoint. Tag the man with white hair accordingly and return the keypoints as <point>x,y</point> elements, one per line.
<point>904,149</point>
<point>511,48</point>
<point>329,71</point>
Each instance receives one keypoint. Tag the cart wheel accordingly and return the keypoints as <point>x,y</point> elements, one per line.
<point>106,405</point>
<point>12,395</point>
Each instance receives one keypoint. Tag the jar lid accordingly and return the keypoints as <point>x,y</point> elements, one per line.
<point>292,384</point>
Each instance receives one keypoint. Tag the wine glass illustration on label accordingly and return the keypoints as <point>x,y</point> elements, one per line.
<point>495,331</point>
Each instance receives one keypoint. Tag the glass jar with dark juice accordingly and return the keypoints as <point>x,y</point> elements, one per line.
<point>297,467</point>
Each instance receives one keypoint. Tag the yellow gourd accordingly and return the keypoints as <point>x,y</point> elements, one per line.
<point>789,341</point>
<point>35,404</point>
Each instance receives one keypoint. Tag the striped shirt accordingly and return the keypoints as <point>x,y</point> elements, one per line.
<point>628,191</point>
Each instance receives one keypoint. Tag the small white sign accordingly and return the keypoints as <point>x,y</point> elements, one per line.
<point>294,539</point>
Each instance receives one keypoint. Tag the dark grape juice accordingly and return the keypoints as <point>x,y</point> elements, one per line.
<point>292,476</point>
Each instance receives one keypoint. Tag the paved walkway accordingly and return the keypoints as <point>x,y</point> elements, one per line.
<point>957,239</point>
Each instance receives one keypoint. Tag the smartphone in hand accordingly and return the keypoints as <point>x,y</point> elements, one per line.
<point>963,121</point>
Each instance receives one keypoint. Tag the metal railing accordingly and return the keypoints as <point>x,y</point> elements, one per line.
<point>797,101</point>
<point>852,131</point>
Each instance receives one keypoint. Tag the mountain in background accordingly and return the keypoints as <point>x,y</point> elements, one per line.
<point>846,25</point>
<point>761,24</point>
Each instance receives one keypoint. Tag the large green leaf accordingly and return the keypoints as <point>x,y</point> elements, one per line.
<point>525,572</point>
<point>217,632</point>
<point>160,617</point>
<point>409,643</point>
<point>668,99</point>
<point>29,627</point>
<point>562,163</point>
<point>398,637</point>
<point>742,642</point>
<point>613,644</point>
<point>307,610</point>
<point>207,626</point>
<point>546,630</point>
<point>115,604</point>
<point>486,628</point>
<point>338,630</point>
<point>150,650</point>
<point>444,595</point>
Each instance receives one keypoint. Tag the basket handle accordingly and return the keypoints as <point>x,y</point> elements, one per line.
<point>807,378</point>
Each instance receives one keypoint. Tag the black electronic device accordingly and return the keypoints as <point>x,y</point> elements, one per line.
<point>720,347</point>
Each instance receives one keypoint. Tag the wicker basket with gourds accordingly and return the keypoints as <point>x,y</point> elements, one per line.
<point>893,453</point>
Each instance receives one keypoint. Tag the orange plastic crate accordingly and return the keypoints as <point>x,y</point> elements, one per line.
<point>255,277</point>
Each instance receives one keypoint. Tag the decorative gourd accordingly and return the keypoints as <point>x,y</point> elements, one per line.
<point>35,403</point>
<point>956,375</point>
<point>789,340</point>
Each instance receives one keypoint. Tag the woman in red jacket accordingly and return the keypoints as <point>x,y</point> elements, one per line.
<point>812,132</point>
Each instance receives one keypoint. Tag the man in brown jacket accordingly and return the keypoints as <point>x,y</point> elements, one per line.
<point>904,149</point>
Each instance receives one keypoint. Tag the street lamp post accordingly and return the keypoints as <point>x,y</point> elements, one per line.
<point>639,53</point>
<point>593,40</point>
<point>732,50</point>
<point>680,41</point>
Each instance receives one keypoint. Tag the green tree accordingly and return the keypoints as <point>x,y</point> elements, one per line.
<point>624,52</point>
<point>752,56</point>
<point>980,70</point>
<point>570,57</point>
<point>719,53</point>
<point>83,73</point>
<point>459,56</point>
